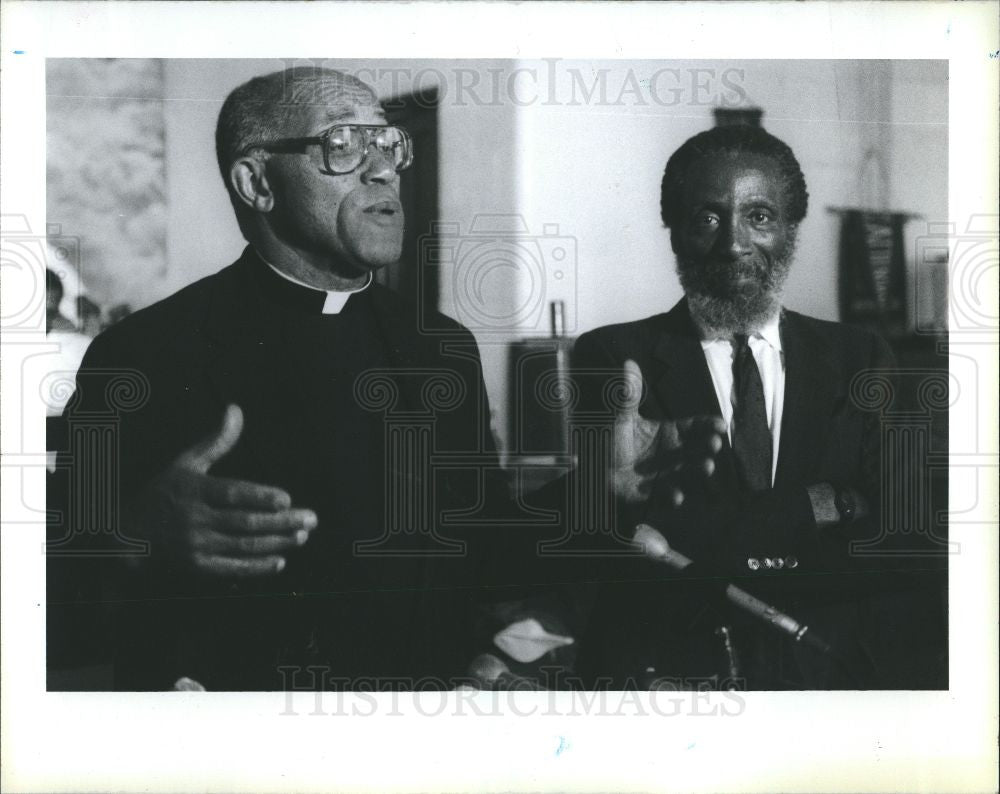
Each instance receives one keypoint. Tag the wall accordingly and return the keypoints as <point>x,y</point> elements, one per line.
<point>918,167</point>
<point>202,235</point>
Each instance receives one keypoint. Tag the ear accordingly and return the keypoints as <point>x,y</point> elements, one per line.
<point>248,179</point>
<point>674,243</point>
<point>792,234</point>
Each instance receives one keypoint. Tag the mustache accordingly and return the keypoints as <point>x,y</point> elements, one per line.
<point>722,276</point>
<point>751,266</point>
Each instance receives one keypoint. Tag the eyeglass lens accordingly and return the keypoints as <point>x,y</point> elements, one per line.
<point>347,145</point>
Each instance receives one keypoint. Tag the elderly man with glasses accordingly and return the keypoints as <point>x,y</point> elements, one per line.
<point>257,469</point>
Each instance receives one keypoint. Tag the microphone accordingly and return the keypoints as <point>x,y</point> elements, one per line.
<point>489,672</point>
<point>655,547</point>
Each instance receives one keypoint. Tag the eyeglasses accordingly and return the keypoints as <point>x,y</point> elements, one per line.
<point>346,146</point>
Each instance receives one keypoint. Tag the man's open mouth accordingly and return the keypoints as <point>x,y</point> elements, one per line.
<point>384,208</point>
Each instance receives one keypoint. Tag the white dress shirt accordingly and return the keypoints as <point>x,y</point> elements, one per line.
<point>765,345</point>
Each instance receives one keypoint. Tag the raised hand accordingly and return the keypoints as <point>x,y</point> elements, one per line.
<point>218,525</point>
<point>648,451</point>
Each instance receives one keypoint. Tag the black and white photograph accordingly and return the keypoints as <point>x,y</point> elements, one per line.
<point>565,400</point>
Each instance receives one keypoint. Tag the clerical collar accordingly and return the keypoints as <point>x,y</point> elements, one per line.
<point>333,300</point>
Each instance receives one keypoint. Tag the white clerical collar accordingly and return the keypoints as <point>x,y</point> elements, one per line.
<point>335,299</point>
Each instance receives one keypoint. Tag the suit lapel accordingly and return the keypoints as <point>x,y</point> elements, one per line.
<point>681,381</point>
<point>812,394</point>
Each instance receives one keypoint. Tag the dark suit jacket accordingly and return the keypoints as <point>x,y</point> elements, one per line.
<point>158,382</point>
<point>825,437</point>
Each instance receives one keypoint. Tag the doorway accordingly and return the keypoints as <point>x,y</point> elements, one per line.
<point>414,277</point>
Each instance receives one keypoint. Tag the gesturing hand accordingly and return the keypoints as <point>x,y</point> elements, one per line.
<point>647,450</point>
<point>217,525</point>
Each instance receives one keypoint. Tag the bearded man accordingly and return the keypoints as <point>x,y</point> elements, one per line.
<point>798,479</point>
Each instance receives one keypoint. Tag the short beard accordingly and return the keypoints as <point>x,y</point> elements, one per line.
<point>723,309</point>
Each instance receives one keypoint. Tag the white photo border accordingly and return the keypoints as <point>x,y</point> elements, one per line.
<point>882,741</point>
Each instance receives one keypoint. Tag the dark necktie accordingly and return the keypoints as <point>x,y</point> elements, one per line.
<point>751,436</point>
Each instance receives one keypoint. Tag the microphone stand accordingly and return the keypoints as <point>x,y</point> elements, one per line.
<point>656,549</point>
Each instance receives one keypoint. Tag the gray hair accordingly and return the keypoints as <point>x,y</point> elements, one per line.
<point>260,109</point>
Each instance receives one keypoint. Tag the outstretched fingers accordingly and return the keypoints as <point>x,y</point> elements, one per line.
<point>241,567</point>
<point>701,438</point>
<point>228,493</point>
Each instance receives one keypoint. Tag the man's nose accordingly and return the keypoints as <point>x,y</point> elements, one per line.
<point>378,168</point>
<point>734,238</point>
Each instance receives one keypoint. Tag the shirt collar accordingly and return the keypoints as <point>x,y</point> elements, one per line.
<point>334,301</point>
<point>770,332</point>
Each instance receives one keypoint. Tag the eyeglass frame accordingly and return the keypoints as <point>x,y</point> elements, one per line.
<point>297,145</point>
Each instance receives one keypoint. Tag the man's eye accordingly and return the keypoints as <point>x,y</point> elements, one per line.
<point>760,217</point>
<point>338,144</point>
<point>705,221</point>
